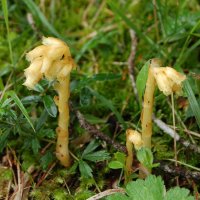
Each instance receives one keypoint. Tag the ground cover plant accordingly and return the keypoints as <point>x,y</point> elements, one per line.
<point>112,44</point>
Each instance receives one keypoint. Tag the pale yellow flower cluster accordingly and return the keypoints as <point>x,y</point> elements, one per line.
<point>52,59</point>
<point>135,138</point>
<point>168,80</point>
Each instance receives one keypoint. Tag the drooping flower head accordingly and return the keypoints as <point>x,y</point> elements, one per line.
<point>51,60</point>
<point>168,79</point>
<point>134,137</point>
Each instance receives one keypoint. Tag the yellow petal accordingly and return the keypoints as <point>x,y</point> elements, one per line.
<point>39,51</point>
<point>33,74</point>
<point>135,137</point>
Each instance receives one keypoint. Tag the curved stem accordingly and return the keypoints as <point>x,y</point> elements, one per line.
<point>148,109</point>
<point>129,159</point>
<point>62,151</point>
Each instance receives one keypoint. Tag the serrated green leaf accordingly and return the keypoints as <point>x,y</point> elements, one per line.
<point>21,107</point>
<point>152,188</point>
<point>97,156</point>
<point>142,79</point>
<point>85,169</point>
<point>115,165</point>
<point>178,194</point>
<point>91,147</point>
<point>145,157</point>
<point>50,106</point>
<point>46,133</point>
<point>192,100</point>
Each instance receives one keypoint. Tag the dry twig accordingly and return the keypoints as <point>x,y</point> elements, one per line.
<point>106,193</point>
<point>131,62</point>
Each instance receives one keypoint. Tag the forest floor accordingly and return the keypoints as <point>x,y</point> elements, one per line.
<point>111,43</point>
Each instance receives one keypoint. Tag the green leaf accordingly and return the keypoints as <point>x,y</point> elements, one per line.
<point>85,169</point>
<point>97,156</point>
<point>13,95</point>
<point>142,79</point>
<point>115,165</point>
<point>145,157</point>
<point>38,88</point>
<point>121,157</point>
<point>35,144</point>
<point>38,14</point>
<point>178,194</point>
<point>46,133</point>
<point>31,99</point>
<point>193,101</point>
<point>152,188</point>
<point>91,147</point>
<point>50,106</point>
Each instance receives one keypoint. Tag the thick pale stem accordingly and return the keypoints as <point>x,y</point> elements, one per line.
<point>148,109</point>
<point>62,151</point>
<point>129,159</point>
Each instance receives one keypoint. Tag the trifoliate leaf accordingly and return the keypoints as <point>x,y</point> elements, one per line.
<point>91,147</point>
<point>97,156</point>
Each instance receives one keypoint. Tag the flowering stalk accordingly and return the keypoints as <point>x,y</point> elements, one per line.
<point>168,81</point>
<point>132,138</point>
<point>53,61</point>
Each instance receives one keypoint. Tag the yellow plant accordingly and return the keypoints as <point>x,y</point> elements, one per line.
<point>168,81</point>
<point>132,138</point>
<point>53,61</point>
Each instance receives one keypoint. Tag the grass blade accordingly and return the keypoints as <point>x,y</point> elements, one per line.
<point>18,102</point>
<point>5,13</point>
<point>142,79</point>
<point>37,13</point>
<point>192,100</point>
